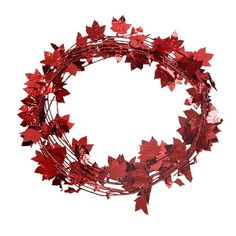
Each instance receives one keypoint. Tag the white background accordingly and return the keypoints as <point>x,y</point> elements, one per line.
<point>117,108</point>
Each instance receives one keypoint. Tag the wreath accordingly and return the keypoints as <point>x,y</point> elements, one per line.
<point>67,163</point>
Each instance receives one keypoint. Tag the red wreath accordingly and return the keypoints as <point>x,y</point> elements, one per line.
<point>67,162</point>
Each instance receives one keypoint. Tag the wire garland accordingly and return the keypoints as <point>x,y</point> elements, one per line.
<point>67,162</point>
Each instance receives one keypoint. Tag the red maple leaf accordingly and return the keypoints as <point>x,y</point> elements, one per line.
<point>137,38</point>
<point>81,41</point>
<point>201,55</point>
<point>137,41</point>
<point>189,125</point>
<point>120,26</point>
<point>189,64</point>
<point>75,67</point>
<point>160,159</point>
<point>75,175</point>
<point>31,136</point>
<point>180,52</point>
<point>60,93</point>
<point>55,58</point>
<point>139,178</point>
<point>149,150</point>
<point>34,80</point>
<point>117,167</point>
<point>95,32</point>
<point>141,204</point>
<point>187,172</point>
<point>59,179</point>
<point>72,69</point>
<point>137,60</point>
<point>165,77</point>
<point>64,122</point>
<point>196,97</point>
<point>82,143</point>
<point>157,165</point>
<point>36,84</point>
<point>60,124</point>
<point>207,137</point>
<point>57,153</point>
<point>167,45</point>
<point>36,76</point>
<point>178,150</point>
<point>46,166</point>
<point>45,131</point>
<point>27,116</point>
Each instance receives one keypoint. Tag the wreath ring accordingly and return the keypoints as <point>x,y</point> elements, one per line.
<point>67,162</point>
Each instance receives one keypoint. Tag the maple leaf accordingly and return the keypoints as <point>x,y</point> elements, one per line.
<point>189,65</point>
<point>137,41</point>
<point>30,136</point>
<point>120,26</point>
<point>36,84</point>
<point>156,165</point>
<point>27,116</point>
<point>55,58</point>
<point>95,32</point>
<point>45,131</point>
<point>64,123</point>
<point>81,41</point>
<point>46,166</point>
<point>167,79</point>
<point>180,52</point>
<point>137,38</point>
<point>83,142</point>
<point>148,150</point>
<point>60,124</point>
<point>139,177</point>
<point>189,125</point>
<point>167,45</point>
<point>117,167</point>
<point>60,94</point>
<point>34,76</point>
<point>58,180</point>
<point>196,97</point>
<point>201,55</point>
<point>81,147</point>
<point>137,60</point>
<point>178,150</point>
<point>187,172</point>
<point>58,153</point>
<point>207,137</point>
<point>30,101</point>
<point>72,69</point>
<point>75,175</point>
<point>141,204</point>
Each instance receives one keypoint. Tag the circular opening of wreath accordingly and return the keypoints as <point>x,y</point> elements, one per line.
<point>67,161</point>
<point>116,108</point>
